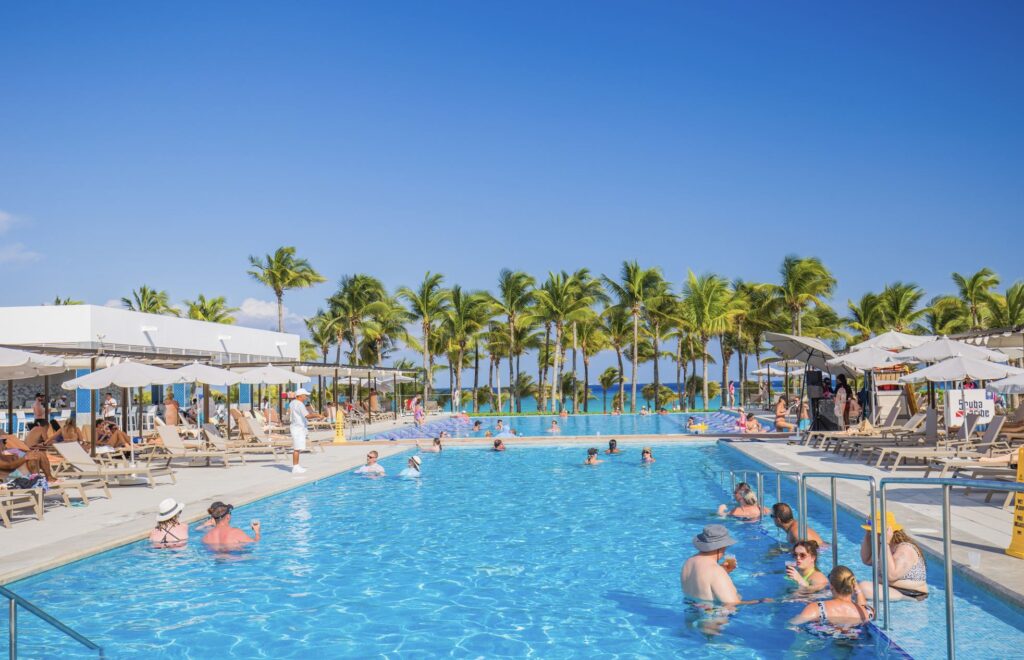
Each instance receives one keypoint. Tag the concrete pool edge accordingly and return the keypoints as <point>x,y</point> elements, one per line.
<point>981,580</point>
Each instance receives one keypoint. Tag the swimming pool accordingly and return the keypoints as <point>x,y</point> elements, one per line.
<point>493,555</point>
<point>596,425</point>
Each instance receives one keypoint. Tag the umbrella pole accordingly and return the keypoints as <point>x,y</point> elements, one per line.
<point>206,405</point>
<point>228,421</point>
<point>10,407</point>
<point>92,410</point>
<point>46,399</point>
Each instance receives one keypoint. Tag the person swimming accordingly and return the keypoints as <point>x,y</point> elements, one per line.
<point>413,469</point>
<point>747,506</point>
<point>613,447</point>
<point>646,456</point>
<point>554,427</point>
<point>499,445</point>
<point>477,425</point>
<point>592,458</point>
<point>433,448</point>
<point>691,424</point>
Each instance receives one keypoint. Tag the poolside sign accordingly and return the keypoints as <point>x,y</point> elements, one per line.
<point>339,427</point>
<point>1016,548</point>
<point>969,402</point>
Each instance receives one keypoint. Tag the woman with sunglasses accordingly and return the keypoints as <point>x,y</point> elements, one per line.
<point>646,456</point>
<point>804,568</point>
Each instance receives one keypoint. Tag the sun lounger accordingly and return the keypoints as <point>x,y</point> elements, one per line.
<point>241,448</point>
<point>285,442</point>
<point>83,466</point>
<point>175,446</point>
<point>851,444</point>
<point>12,500</point>
<point>948,449</point>
<point>65,487</point>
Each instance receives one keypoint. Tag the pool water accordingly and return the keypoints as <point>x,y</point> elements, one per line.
<point>596,425</point>
<point>489,554</point>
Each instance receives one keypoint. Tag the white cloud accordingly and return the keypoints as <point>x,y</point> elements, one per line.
<point>16,253</point>
<point>114,302</point>
<point>262,314</point>
<point>6,220</point>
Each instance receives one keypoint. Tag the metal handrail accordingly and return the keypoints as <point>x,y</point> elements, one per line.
<point>947,484</point>
<point>759,474</point>
<point>832,477</point>
<point>14,600</point>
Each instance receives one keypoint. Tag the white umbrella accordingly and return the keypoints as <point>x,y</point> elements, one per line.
<point>124,374</point>
<point>271,375</point>
<point>772,370</point>
<point>803,349</point>
<point>864,359</point>
<point>204,373</point>
<point>960,368</point>
<point>1010,385</point>
<point>944,348</point>
<point>16,364</point>
<point>893,341</point>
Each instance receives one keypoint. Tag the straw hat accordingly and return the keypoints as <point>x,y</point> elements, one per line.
<point>168,509</point>
<point>890,522</point>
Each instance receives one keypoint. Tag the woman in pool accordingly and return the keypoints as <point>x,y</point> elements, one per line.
<point>413,469</point>
<point>434,448</point>
<point>804,569</point>
<point>781,408</point>
<point>691,425</point>
<point>907,569</point>
<point>646,456</point>
<point>554,427</point>
<point>592,458</point>
<point>477,425</point>
<point>613,447</point>
<point>746,507</point>
<point>846,609</point>
<point>169,532</point>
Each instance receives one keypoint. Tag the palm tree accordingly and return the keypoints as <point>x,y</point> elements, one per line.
<point>150,301</point>
<point>945,315</point>
<point>562,300</point>
<point>496,341</point>
<point>591,287</point>
<point>634,287</point>
<point>618,328</point>
<point>898,306</point>
<point>351,307</point>
<point>427,304</point>
<point>468,314</point>
<point>661,311</point>
<point>974,290</point>
<point>515,295</point>
<point>66,301</point>
<point>805,281</point>
<point>214,310</point>
<point>708,297</point>
<point>608,379</point>
<point>321,332</point>
<point>1006,310</point>
<point>384,326</point>
<point>865,317</point>
<point>592,340</point>
<point>282,271</point>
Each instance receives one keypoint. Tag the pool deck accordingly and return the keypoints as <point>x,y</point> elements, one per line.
<point>981,532</point>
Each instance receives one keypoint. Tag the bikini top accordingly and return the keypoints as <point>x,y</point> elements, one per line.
<point>917,572</point>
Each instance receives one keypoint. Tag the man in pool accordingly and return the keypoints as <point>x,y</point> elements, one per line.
<point>592,458</point>
<point>499,427</point>
<point>782,515</point>
<point>225,537</point>
<point>476,425</point>
<point>613,447</point>
<point>703,578</point>
<point>499,445</point>
<point>372,467</point>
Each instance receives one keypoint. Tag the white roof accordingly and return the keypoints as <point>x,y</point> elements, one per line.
<point>94,327</point>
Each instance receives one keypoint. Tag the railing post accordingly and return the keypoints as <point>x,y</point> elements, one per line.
<point>874,564</point>
<point>947,552</point>
<point>835,519</point>
<point>732,478</point>
<point>878,540</point>
<point>12,622</point>
<point>801,501</point>
<point>778,486</point>
<point>760,490</point>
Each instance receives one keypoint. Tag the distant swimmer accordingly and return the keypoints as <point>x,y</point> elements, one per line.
<point>499,445</point>
<point>434,448</point>
<point>613,447</point>
<point>646,456</point>
<point>592,458</point>
<point>554,427</point>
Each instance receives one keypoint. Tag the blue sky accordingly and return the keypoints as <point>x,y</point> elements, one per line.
<point>162,144</point>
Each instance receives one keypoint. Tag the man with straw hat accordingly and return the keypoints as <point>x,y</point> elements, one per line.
<point>299,427</point>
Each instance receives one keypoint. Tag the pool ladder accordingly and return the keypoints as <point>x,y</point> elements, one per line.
<point>14,601</point>
<point>879,487</point>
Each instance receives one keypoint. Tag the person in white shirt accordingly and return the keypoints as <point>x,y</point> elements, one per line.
<point>109,409</point>
<point>299,427</point>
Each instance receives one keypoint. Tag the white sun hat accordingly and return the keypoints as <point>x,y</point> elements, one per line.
<point>168,509</point>
<point>301,392</point>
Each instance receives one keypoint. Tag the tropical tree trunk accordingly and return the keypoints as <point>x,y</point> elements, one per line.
<point>512,396</point>
<point>555,372</point>
<point>586,384</point>
<point>679,366</point>
<point>622,379</point>
<point>657,378</point>
<point>704,367</point>
<point>542,386</point>
<point>725,372</point>
<point>476,374</point>
<point>497,376</point>
<point>636,351</point>
<point>490,382</point>
<point>426,363</point>
<point>519,399</point>
<point>458,375</point>
<point>280,310</point>
<point>684,381</point>
<point>575,389</point>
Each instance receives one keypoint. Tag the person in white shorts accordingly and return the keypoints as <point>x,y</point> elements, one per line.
<point>298,414</point>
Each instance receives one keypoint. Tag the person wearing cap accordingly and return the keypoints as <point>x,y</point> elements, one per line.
<point>170,532</point>
<point>703,578</point>
<point>907,569</point>
<point>299,426</point>
<point>223,536</point>
<point>414,468</point>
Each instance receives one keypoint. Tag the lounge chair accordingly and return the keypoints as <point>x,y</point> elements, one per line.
<point>12,500</point>
<point>285,442</point>
<point>908,432</point>
<point>175,446</point>
<point>241,448</point>
<point>949,449</point>
<point>66,487</point>
<point>83,466</point>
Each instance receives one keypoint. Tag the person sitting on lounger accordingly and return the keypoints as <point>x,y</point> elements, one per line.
<point>781,407</point>
<point>782,516</point>
<point>225,537</point>
<point>747,506</point>
<point>907,569</point>
<point>109,435</point>
<point>18,463</point>
<point>169,532</point>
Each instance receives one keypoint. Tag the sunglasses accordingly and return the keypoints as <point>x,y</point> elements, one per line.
<point>801,555</point>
